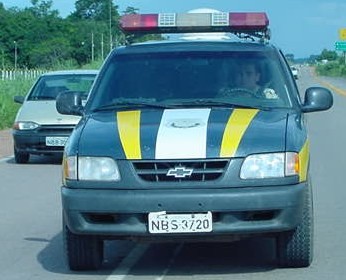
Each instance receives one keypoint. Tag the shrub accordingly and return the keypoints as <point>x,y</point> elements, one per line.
<point>8,109</point>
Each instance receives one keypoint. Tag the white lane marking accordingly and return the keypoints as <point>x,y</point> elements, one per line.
<point>124,267</point>
<point>171,262</point>
<point>5,159</point>
<point>182,134</point>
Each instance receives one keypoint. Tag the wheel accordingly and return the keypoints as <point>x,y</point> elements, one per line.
<point>295,248</point>
<point>21,157</point>
<point>83,252</point>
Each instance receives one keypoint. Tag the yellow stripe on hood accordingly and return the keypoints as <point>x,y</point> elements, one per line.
<point>129,127</point>
<point>236,126</point>
<point>304,161</point>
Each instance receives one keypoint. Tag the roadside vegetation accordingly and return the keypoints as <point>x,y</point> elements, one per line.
<point>332,68</point>
<point>8,108</point>
<point>37,37</point>
<point>332,64</point>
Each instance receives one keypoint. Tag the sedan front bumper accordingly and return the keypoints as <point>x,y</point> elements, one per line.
<point>34,141</point>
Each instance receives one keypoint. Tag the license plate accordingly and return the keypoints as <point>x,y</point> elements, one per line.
<point>160,222</point>
<point>56,141</point>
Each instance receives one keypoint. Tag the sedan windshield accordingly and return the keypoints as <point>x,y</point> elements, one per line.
<point>48,87</point>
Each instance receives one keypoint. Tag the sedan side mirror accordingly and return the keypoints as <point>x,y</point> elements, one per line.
<point>18,99</point>
<point>317,99</point>
<point>69,103</point>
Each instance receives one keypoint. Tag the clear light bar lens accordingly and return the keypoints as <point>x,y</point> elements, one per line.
<point>193,20</point>
<point>220,19</point>
<point>167,20</point>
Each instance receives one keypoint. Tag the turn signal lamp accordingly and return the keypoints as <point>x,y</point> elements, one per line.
<point>194,22</point>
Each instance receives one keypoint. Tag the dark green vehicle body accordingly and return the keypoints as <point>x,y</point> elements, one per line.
<point>180,149</point>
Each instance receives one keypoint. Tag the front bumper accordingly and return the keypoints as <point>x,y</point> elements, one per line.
<point>34,141</point>
<point>236,211</point>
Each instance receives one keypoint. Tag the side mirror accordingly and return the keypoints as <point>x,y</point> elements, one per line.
<point>317,99</point>
<point>69,103</point>
<point>18,99</point>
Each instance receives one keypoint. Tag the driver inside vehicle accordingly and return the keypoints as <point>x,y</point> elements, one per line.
<point>247,81</point>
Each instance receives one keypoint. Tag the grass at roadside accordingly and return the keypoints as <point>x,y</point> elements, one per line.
<point>8,108</point>
<point>332,69</point>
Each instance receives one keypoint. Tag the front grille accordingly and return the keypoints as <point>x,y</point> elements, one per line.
<point>202,170</point>
<point>56,129</point>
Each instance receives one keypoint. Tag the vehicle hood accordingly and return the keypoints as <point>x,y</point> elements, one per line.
<point>44,113</point>
<point>183,133</point>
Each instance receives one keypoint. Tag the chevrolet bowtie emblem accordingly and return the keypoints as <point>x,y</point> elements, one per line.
<point>179,172</point>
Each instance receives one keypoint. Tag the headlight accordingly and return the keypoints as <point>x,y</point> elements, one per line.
<point>90,168</point>
<point>275,165</point>
<point>25,125</point>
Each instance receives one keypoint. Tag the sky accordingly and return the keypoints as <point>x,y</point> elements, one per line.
<point>299,27</point>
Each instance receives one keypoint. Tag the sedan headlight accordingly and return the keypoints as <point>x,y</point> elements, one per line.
<point>274,165</point>
<point>90,169</point>
<point>25,125</point>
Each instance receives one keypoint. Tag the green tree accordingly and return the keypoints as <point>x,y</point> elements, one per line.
<point>328,55</point>
<point>101,19</point>
<point>42,8</point>
<point>101,10</point>
<point>4,35</point>
<point>34,36</point>
<point>38,37</point>
<point>44,40</point>
<point>130,11</point>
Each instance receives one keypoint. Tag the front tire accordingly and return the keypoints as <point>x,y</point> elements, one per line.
<point>295,248</point>
<point>83,252</point>
<point>21,157</point>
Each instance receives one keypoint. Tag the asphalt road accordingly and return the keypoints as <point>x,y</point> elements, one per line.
<point>30,223</point>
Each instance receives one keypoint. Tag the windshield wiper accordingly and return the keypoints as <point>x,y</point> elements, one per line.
<point>213,103</point>
<point>43,97</point>
<point>180,104</point>
<point>132,104</point>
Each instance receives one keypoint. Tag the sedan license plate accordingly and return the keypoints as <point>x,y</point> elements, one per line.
<point>56,141</point>
<point>160,222</point>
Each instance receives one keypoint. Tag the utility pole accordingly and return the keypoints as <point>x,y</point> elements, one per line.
<point>110,26</point>
<point>15,55</point>
<point>102,53</point>
<point>3,59</point>
<point>92,46</point>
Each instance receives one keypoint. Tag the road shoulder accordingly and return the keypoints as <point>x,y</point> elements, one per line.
<point>6,143</point>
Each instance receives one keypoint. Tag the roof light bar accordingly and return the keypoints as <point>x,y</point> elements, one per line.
<point>195,22</point>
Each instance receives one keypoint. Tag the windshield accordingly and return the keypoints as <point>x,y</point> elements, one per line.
<point>48,87</point>
<point>253,79</point>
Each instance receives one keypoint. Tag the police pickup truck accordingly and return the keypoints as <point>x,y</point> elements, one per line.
<point>200,138</point>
